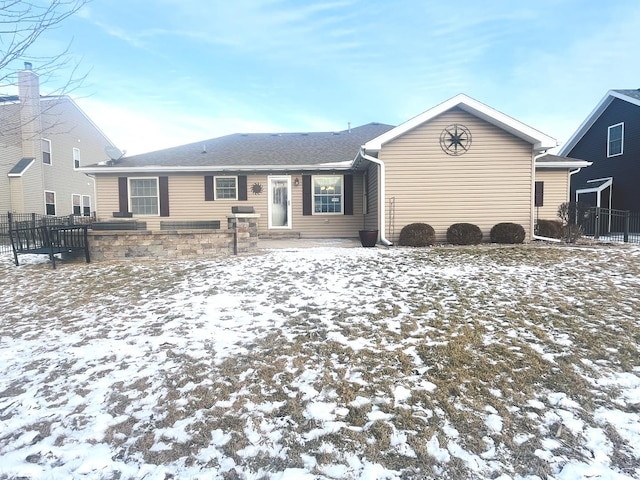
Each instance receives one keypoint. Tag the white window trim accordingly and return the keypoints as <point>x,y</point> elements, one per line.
<point>609,155</point>
<point>76,149</point>
<point>313,195</point>
<point>89,197</point>
<point>215,187</point>
<point>157,179</point>
<point>73,205</point>
<point>55,203</point>
<point>50,152</point>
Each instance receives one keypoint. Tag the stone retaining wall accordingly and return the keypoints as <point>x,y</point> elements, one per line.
<point>240,237</point>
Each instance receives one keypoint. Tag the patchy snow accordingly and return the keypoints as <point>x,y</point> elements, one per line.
<point>324,363</point>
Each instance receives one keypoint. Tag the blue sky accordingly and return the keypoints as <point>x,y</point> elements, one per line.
<point>169,72</point>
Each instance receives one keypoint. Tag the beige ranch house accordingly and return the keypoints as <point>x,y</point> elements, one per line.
<point>461,161</point>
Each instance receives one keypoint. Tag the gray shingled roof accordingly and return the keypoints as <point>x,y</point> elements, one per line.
<point>551,159</point>
<point>262,149</point>
<point>21,166</point>
<point>630,93</point>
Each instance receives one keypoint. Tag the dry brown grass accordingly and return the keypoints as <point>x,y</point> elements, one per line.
<point>487,340</point>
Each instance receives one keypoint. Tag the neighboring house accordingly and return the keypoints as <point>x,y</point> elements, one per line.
<point>460,161</point>
<point>43,142</point>
<point>610,139</point>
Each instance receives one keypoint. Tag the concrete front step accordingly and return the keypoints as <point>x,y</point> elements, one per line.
<point>276,235</point>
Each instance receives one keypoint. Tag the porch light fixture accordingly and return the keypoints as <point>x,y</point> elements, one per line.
<point>296,181</point>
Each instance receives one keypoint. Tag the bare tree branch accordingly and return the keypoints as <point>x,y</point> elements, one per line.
<point>21,25</point>
<point>22,22</point>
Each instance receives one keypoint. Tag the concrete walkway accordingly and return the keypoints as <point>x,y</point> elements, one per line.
<point>269,244</point>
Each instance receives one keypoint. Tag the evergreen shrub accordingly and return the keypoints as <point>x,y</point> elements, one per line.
<point>464,234</point>
<point>507,232</point>
<point>417,235</point>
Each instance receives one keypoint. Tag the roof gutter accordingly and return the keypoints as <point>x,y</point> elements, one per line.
<point>213,168</point>
<point>380,163</point>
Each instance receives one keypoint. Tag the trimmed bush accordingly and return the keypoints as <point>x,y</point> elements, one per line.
<point>464,234</point>
<point>417,235</point>
<point>549,228</point>
<point>507,233</point>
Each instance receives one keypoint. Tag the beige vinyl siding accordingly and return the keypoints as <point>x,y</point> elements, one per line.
<point>68,128</point>
<point>186,202</point>
<point>17,195</point>
<point>33,190</point>
<point>329,226</point>
<point>491,183</point>
<point>556,191</point>
<point>107,193</point>
<point>10,154</point>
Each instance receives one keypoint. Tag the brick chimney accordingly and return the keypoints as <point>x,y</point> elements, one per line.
<point>31,125</point>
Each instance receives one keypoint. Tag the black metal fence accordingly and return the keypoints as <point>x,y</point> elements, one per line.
<point>22,220</point>
<point>613,225</point>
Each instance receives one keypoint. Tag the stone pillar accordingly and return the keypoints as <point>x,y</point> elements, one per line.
<point>245,231</point>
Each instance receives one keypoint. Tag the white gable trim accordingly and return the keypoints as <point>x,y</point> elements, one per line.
<point>539,140</point>
<point>593,116</point>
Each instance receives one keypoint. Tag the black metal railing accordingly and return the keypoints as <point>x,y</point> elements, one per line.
<point>613,225</point>
<point>32,220</point>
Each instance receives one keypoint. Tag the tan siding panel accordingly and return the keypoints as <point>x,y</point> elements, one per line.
<point>67,127</point>
<point>556,192</point>
<point>489,184</point>
<point>186,194</point>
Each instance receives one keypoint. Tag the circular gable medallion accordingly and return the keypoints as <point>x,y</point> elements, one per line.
<point>455,139</point>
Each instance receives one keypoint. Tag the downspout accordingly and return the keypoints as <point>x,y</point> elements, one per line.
<point>380,163</point>
<point>557,240</point>
<point>571,173</point>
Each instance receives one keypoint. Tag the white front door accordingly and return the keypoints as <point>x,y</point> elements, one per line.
<point>279,202</point>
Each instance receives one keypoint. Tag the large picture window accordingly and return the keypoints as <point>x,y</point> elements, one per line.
<point>615,140</point>
<point>327,194</point>
<point>226,188</point>
<point>143,196</point>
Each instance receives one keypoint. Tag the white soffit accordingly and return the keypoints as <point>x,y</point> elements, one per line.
<point>539,140</point>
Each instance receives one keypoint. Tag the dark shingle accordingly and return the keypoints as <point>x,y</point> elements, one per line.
<point>21,166</point>
<point>263,149</point>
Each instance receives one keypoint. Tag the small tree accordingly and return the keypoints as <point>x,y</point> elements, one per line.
<point>573,216</point>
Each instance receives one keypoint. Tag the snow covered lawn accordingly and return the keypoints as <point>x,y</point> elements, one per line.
<point>334,363</point>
